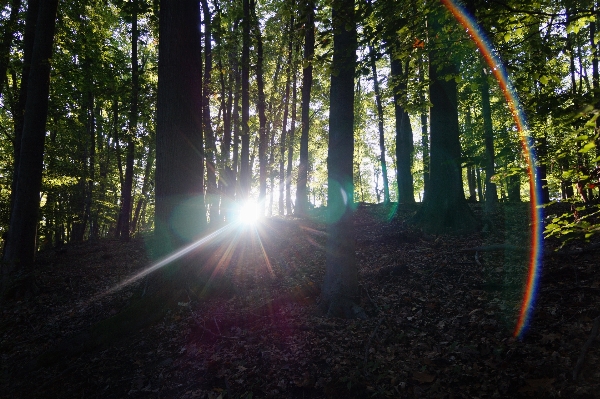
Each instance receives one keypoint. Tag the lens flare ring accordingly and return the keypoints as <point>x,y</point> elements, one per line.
<point>536,248</point>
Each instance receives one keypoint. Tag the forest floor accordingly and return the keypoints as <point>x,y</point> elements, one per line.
<point>441,319</point>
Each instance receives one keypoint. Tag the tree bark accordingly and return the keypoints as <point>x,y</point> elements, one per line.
<point>145,188</point>
<point>307,72</point>
<point>127,187</point>
<point>404,139</point>
<point>444,208</point>
<point>20,247</point>
<point>386,187</point>
<point>424,129</point>
<point>210,150</point>
<point>180,213</point>
<point>491,197</point>
<point>260,105</point>
<point>291,141</point>
<point>31,19</point>
<point>340,287</point>
<point>245,171</point>
<point>286,103</point>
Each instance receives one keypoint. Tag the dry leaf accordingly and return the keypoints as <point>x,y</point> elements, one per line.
<point>423,377</point>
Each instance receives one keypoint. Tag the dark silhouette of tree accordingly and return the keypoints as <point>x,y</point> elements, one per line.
<point>382,161</point>
<point>307,78</point>
<point>245,171</point>
<point>20,247</point>
<point>404,139</point>
<point>179,156</point>
<point>210,148</point>
<point>124,227</point>
<point>19,111</point>
<point>444,207</point>
<point>340,287</point>
<point>286,103</point>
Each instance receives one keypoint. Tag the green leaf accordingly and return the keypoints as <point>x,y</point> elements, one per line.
<point>586,148</point>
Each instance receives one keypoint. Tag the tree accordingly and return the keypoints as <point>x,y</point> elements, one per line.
<point>179,191</point>
<point>286,99</point>
<point>20,247</point>
<point>260,105</point>
<point>209,136</point>
<point>491,195</point>
<point>307,78</point>
<point>444,207</point>
<point>340,286</point>
<point>386,187</point>
<point>245,172</point>
<point>404,139</point>
<point>126,194</point>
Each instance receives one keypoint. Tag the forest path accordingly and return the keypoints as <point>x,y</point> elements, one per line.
<point>440,320</point>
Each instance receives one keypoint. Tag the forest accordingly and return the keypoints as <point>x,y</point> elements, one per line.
<point>277,198</point>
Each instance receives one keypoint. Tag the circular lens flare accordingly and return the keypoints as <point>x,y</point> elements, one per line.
<point>248,213</point>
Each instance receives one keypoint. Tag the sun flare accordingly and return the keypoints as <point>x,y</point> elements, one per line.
<point>248,213</point>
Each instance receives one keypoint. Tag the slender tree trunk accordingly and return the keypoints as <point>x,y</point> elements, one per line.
<point>291,141</point>
<point>404,139</point>
<point>340,286</point>
<point>286,103</point>
<point>307,72</point>
<point>92,165</point>
<point>21,245</point>
<point>480,194</point>
<point>235,159</point>
<point>472,183</point>
<point>424,128</point>
<point>145,188</point>
<point>491,197</point>
<point>386,187</point>
<point>212,197</point>
<point>245,172</point>
<point>127,188</point>
<point>260,105</point>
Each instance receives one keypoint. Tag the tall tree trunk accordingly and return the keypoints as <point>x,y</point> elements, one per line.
<point>424,129</point>
<point>386,187</point>
<point>180,213</point>
<point>340,286</point>
<point>145,188</point>
<point>291,139</point>
<point>127,188</point>
<point>20,247</point>
<point>307,72</point>
<point>444,208</point>
<point>92,164</point>
<point>31,19</point>
<point>404,139</point>
<point>245,172</point>
<point>471,180</point>
<point>491,197</point>
<point>235,159</point>
<point>286,103</point>
<point>212,197</point>
<point>260,105</point>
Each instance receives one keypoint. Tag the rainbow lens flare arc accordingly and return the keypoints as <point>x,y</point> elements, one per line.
<point>536,248</point>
